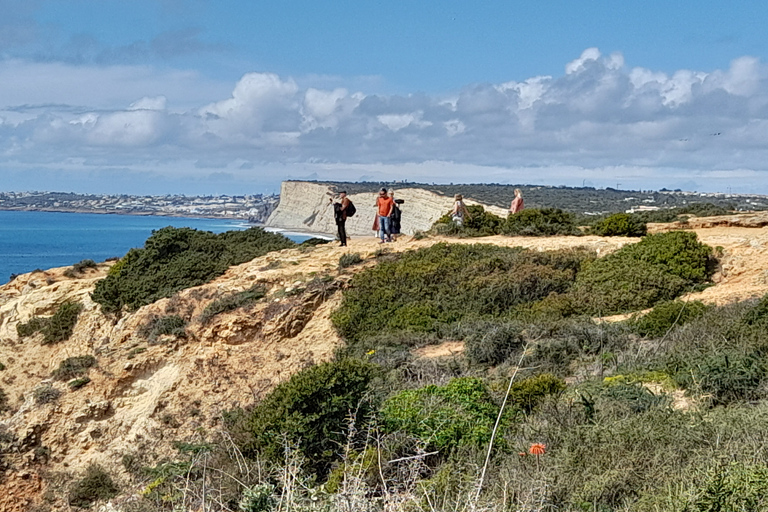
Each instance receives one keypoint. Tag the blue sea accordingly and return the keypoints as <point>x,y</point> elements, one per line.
<point>32,240</point>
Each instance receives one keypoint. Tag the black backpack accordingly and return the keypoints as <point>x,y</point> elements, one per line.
<point>351,210</point>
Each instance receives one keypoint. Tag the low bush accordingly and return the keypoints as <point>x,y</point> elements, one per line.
<point>447,283</point>
<point>72,367</point>
<point>444,417</point>
<point>314,241</point>
<point>492,343</point>
<point>619,224</point>
<point>540,222</point>
<point>666,315</point>
<point>736,486</point>
<point>95,485</point>
<point>349,259</point>
<point>723,377</point>
<point>4,402</point>
<point>310,410</point>
<point>55,328</point>
<point>169,325</point>
<point>79,267</point>
<point>35,324</point>
<point>477,223</point>
<point>173,259</point>
<point>527,394</point>
<point>45,394</point>
<point>233,301</point>
<point>660,267</point>
<point>78,383</point>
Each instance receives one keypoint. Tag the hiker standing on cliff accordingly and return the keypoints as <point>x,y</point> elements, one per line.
<point>385,205</point>
<point>396,215</point>
<point>340,215</point>
<point>459,212</point>
<point>517,202</point>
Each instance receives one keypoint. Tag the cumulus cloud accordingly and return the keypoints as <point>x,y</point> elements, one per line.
<point>600,116</point>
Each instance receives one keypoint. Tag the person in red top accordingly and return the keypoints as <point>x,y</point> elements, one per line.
<point>384,205</point>
<point>517,202</point>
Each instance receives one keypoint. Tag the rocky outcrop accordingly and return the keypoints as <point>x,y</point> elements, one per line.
<point>304,206</point>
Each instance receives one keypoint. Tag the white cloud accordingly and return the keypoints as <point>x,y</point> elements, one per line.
<point>600,115</point>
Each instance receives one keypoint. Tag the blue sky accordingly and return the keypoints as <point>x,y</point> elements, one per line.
<point>234,96</point>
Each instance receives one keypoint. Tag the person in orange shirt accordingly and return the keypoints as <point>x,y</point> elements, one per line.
<point>384,205</point>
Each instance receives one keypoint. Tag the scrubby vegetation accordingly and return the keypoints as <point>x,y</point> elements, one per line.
<point>55,328</point>
<point>72,367</point>
<point>173,259</point>
<point>660,267</point>
<point>311,411</point>
<point>619,224</point>
<point>45,394</point>
<point>233,301</point>
<point>529,222</point>
<point>169,325</point>
<point>349,259</point>
<point>80,267</point>
<point>540,222</point>
<point>444,284</point>
<point>95,485</point>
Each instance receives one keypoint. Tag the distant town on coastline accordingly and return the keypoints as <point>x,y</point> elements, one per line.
<point>256,208</point>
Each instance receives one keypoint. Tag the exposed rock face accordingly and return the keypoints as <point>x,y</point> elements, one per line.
<point>304,206</point>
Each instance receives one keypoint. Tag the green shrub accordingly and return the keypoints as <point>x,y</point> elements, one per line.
<point>2,367</point>
<point>314,241</point>
<point>60,326</point>
<point>637,276</point>
<point>540,222</point>
<point>72,367</point>
<point>35,324</point>
<point>758,314</point>
<point>169,325</point>
<point>311,410</point>
<point>173,259</point>
<point>55,328</point>
<point>478,223</point>
<point>443,417</point>
<point>619,224</point>
<point>665,315</point>
<point>94,486</point>
<point>616,285</point>
<point>527,394</point>
<point>737,486</point>
<point>79,267</point>
<point>724,377</point>
<point>448,283</point>
<point>45,394</point>
<point>258,498</point>
<point>677,252</point>
<point>349,259</point>
<point>78,383</point>
<point>233,301</point>
<point>493,343</point>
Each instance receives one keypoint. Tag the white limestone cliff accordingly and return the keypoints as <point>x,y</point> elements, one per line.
<point>304,206</point>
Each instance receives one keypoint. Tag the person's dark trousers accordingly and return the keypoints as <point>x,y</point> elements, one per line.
<point>342,231</point>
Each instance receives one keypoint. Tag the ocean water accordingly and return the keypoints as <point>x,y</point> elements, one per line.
<point>32,240</point>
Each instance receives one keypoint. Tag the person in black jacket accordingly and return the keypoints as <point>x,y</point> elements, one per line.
<point>396,216</point>
<point>340,215</point>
